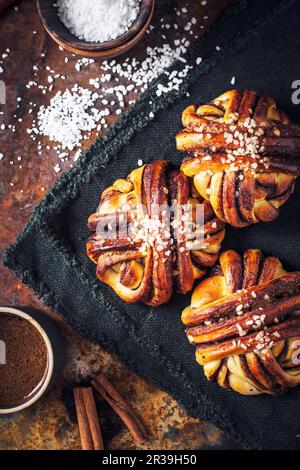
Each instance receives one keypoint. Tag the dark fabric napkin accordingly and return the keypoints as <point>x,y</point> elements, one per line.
<point>260,44</point>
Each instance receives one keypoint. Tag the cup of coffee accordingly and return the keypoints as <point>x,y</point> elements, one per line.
<point>32,353</point>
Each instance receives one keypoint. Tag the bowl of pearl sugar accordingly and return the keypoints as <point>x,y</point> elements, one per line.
<point>96,28</point>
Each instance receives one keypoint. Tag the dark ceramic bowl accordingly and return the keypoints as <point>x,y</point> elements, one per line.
<point>55,347</point>
<point>113,48</point>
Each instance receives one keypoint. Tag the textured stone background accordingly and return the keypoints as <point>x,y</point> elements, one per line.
<point>50,424</point>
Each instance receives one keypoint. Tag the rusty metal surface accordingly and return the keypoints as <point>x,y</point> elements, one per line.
<point>50,423</point>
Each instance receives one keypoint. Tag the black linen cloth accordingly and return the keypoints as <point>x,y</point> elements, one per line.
<point>260,46</point>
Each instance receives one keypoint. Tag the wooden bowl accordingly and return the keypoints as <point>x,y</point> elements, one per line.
<point>64,38</point>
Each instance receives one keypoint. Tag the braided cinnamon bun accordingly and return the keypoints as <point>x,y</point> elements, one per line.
<point>243,153</point>
<point>245,323</point>
<point>146,257</point>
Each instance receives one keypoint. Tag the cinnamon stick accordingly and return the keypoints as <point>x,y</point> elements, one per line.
<point>88,422</point>
<point>117,402</point>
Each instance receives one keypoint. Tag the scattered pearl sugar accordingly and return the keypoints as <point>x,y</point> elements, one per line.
<point>83,62</point>
<point>98,20</point>
<point>68,115</point>
<point>71,116</point>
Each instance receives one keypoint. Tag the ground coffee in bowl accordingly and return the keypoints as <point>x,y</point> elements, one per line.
<point>26,360</point>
